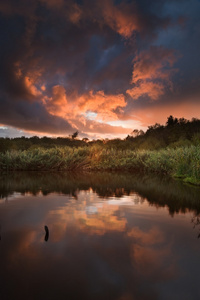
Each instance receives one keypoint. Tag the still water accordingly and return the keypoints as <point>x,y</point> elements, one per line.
<point>98,236</point>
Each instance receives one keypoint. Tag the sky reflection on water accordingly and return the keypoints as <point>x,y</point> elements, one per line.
<point>111,236</point>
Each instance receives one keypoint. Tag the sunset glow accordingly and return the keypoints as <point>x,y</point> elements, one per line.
<point>103,68</point>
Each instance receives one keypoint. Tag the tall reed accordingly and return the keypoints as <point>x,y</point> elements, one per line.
<point>180,162</point>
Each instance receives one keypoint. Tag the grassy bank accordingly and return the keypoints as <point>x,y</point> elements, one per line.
<point>182,162</point>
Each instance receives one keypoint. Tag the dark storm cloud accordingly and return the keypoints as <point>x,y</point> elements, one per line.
<point>32,117</point>
<point>89,50</point>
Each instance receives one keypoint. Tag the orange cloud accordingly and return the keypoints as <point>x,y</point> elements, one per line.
<point>150,64</point>
<point>29,83</point>
<point>120,18</point>
<point>57,103</point>
<point>151,73</point>
<point>103,105</point>
<point>31,80</point>
<point>78,111</point>
<point>152,89</point>
<point>102,130</point>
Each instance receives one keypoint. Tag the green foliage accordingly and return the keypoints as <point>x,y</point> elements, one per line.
<point>44,159</point>
<point>180,162</point>
<point>173,149</point>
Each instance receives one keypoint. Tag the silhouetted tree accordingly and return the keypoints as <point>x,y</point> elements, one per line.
<point>171,121</point>
<point>75,134</point>
<point>137,132</point>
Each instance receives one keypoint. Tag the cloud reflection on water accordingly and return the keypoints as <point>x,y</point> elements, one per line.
<point>121,247</point>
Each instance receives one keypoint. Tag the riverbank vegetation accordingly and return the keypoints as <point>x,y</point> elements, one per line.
<point>172,149</point>
<point>181,162</point>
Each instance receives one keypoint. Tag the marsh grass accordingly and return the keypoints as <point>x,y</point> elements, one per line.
<point>183,162</point>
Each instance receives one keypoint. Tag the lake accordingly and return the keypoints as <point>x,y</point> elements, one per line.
<point>97,236</point>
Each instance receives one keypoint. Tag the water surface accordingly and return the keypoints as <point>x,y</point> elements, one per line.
<point>98,236</point>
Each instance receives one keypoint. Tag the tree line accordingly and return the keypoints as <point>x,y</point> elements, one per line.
<point>175,133</point>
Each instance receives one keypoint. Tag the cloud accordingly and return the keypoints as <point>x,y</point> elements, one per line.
<point>127,18</point>
<point>122,18</point>
<point>104,105</point>
<point>152,89</point>
<point>32,117</point>
<point>152,73</point>
<point>91,127</point>
<point>7,131</point>
<point>152,64</point>
<point>62,61</point>
<point>87,112</point>
<point>57,104</point>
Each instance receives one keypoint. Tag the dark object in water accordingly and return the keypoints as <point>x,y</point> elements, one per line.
<point>47,233</point>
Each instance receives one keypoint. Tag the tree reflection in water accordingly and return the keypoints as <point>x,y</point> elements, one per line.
<point>159,191</point>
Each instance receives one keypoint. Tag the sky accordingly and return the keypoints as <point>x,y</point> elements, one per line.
<point>103,68</point>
